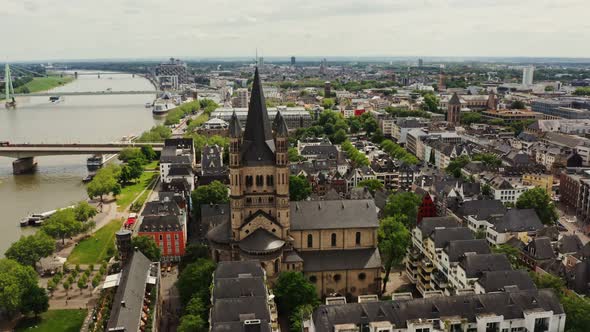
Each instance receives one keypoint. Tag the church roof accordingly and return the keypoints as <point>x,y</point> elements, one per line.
<point>281,125</point>
<point>258,147</point>
<point>261,241</point>
<point>235,130</point>
<point>455,100</point>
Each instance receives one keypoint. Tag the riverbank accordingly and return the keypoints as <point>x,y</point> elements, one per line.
<point>41,84</point>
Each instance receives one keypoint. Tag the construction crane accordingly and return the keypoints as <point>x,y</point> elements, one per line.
<point>8,88</point>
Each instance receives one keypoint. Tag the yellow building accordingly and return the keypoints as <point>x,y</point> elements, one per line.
<point>544,181</point>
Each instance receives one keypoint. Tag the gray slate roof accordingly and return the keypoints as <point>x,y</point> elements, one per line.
<point>518,220</point>
<point>493,281</point>
<point>509,304</point>
<point>456,249</point>
<point>336,260</point>
<point>428,224</point>
<point>476,265</point>
<point>482,209</point>
<point>307,215</point>
<point>442,237</point>
<point>234,269</point>
<point>131,291</point>
<point>261,241</point>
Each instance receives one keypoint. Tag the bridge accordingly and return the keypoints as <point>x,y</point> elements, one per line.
<point>25,153</point>
<point>87,93</point>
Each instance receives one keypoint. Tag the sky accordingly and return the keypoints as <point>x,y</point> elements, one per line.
<point>108,29</point>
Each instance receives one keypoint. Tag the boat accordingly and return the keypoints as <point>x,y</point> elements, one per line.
<point>88,178</point>
<point>29,220</point>
<point>56,99</point>
<point>36,219</point>
<point>148,105</point>
<point>162,108</point>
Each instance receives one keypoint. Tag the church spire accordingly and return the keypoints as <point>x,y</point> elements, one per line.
<point>258,140</point>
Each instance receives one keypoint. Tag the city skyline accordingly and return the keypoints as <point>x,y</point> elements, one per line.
<point>449,28</point>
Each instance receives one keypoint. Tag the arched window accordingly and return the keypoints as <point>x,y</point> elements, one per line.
<point>337,277</point>
<point>358,238</point>
<point>309,240</point>
<point>333,239</point>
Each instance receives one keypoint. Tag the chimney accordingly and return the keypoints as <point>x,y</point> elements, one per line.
<point>124,245</point>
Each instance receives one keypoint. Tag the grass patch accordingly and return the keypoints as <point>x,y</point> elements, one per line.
<point>151,166</point>
<point>43,83</point>
<point>54,320</point>
<point>95,249</point>
<point>129,192</point>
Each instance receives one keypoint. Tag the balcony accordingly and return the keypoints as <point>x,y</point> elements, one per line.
<point>439,279</point>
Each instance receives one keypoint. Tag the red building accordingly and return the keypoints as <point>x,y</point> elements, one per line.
<point>426,208</point>
<point>168,233</point>
<point>359,112</point>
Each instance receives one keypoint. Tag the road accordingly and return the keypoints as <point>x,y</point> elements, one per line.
<point>178,131</point>
<point>573,227</point>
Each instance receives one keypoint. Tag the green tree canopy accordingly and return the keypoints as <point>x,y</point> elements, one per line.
<point>538,199</point>
<point>62,224</point>
<point>394,239</point>
<point>299,188</point>
<point>130,154</point>
<point>192,253</point>
<point>405,204</point>
<point>148,247</point>
<point>105,182</point>
<point>430,103</point>
<point>15,282</point>
<point>84,211</point>
<point>195,280</point>
<point>455,166</point>
<point>293,290</point>
<point>488,159</point>
<point>517,104</point>
<point>294,155</point>
<point>511,253</point>
<point>149,153</point>
<point>371,184</point>
<point>213,193</point>
<point>28,250</point>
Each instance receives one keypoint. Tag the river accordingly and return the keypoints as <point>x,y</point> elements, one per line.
<point>77,119</point>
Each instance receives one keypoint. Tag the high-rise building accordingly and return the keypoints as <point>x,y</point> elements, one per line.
<point>527,75</point>
<point>327,89</point>
<point>175,70</point>
<point>441,78</point>
<point>241,98</point>
<point>454,110</point>
<point>292,61</point>
<point>420,63</point>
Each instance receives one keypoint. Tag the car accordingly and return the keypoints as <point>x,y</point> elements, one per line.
<point>4,143</point>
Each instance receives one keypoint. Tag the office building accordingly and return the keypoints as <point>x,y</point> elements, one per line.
<point>241,98</point>
<point>527,75</point>
<point>292,61</point>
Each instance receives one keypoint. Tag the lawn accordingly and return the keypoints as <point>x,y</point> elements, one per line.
<point>44,83</point>
<point>128,193</point>
<point>152,166</point>
<point>54,320</point>
<point>94,249</point>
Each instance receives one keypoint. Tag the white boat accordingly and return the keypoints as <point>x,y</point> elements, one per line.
<point>162,108</point>
<point>148,105</point>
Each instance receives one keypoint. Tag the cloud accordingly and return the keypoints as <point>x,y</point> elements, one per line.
<point>70,29</point>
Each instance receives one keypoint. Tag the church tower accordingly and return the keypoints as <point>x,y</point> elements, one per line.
<point>454,110</point>
<point>259,184</point>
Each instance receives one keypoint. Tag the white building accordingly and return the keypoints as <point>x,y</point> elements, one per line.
<point>527,75</point>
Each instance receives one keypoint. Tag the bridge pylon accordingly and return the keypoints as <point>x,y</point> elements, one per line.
<point>8,88</point>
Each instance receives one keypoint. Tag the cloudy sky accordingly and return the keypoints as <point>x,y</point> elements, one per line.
<point>83,29</point>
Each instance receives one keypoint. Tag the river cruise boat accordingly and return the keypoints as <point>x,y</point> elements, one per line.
<point>162,108</point>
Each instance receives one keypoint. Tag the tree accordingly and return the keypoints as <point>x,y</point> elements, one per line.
<point>130,153</point>
<point>584,91</point>
<point>148,247</point>
<point>577,310</point>
<point>546,280</point>
<point>62,224</point>
<point>294,155</point>
<point>377,137</point>
<point>430,103</point>
<point>488,159</point>
<point>149,153</point>
<point>105,182</point>
<point>517,104</point>
<point>339,136</point>
<point>486,190</point>
<point>192,253</point>
<point>195,280</point>
<point>28,250</point>
<point>471,117</point>
<point>84,211</point>
<point>394,239</point>
<point>213,193</point>
<point>66,285</point>
<point>405,204</point>
<point>135,168</point>
<point>35,300</point>
<point>95,281</point>
<point>512,253</point>
<point>293,290</point>
<point>15,282</point>
<point>355,125</point>
<point>371,184</point>
<point>328,103</point>
<point>192,323</point>
<point>301,313</point>
<point>538,199</point>
<point>299,188</point>
<point>370,125</point>
<point>455,166</point>
<point>82,283</point>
